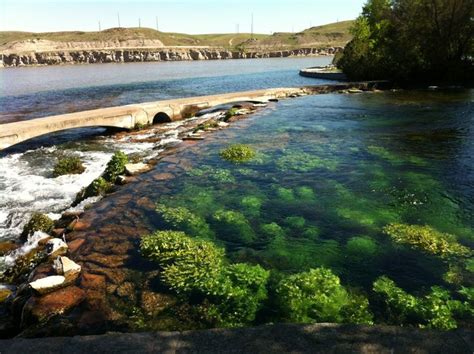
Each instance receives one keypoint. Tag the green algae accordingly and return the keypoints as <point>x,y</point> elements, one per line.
<point>301,161</point>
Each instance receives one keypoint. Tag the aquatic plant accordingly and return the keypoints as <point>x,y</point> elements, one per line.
<point>237,153</point>
<point>115,167</point>
<point>305,193</point>
<point>269,232</point>
<point>99,186</point>
<point>285,194</point>
<point>361,247</point>
<point>233,226</point>
<point>303,162</point>
<point>295,223</point>
<point>230,113</point>
<point>182,219</point>
<point>428,240</point>
<point>383,153</point>
<point>195,268</point>
<point>221,175</point>
<point>37,222</point>
<point>251,205</point>
<point>69,165</point>
<point>434,310</point>
<point>318,296</point>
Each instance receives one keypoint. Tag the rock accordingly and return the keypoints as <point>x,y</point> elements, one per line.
<point>153,303</point>
<point>76,244</point>
<point>223,124</point>
<point>49,284</point>
<point>58,232</point>
<point>68,268</point>
<point>354,90</point>
<point>132,169</point>
<point>7,246</point>
<point>5,293</point>
<point>56,247</point>
<point>42,271</point>
<point>126,290</point>
<point>163,176</point>
<point>41,309</point>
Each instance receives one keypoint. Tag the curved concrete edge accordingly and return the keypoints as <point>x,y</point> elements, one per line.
<point>129,116</point>
<point>318,73</point>
<point>280,338</point>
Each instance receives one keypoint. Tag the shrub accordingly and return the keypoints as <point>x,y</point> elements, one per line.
<point>233,226</point>
<point>115,167</point>
<point>435,310</point>
<point>427,240</point>
<point>237,153</point>
<point>318,296</point>
<point>195,268</point>
<point>180,218</point>
<point>70,165</point>
<point>37,222</point>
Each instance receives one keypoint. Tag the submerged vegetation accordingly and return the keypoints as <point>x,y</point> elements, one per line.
<point>104,184</point>
<point>238,153</point>
<point>428,240</point>
<point>37,222</point>
<point>69,165</point>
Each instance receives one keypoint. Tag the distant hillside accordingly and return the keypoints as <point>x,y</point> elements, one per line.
<point>335,34</point>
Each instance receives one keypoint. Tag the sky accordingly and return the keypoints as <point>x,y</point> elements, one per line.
<point>185,16</point>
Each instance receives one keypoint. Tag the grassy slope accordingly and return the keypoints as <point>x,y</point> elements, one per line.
<point>331,34</point>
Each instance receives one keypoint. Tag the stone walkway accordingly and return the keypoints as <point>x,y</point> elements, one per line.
<point>282,338</point>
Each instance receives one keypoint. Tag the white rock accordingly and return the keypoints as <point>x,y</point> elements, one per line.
<point>48,284</point>
<point>56,247</point>
<point>135,168</point>
<point>67,267</point>
<point>223,124</point>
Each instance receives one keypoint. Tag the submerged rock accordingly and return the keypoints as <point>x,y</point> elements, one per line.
<point>132,169</point>
<point>7,246</point>
<point>41,309</point>
<point>5,293</point>
<point>49,284</point>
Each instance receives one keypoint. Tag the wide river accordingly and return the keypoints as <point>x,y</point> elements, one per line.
<point>334,176</point>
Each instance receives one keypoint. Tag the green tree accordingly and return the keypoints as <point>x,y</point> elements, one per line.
<point>412,40</point>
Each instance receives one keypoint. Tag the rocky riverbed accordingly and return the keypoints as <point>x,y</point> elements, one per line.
<point>148,55</point>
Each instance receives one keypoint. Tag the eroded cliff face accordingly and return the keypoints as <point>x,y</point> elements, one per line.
<point>147,55</point>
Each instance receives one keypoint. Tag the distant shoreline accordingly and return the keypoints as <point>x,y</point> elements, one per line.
<point>74,57</point>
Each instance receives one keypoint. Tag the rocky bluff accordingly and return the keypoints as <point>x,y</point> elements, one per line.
<point>148,55</point>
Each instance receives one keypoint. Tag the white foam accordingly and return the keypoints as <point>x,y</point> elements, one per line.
<point>9,259</point>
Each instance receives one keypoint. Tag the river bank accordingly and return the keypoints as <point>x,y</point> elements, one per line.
<point>150,55</point>
<point>279,338</point>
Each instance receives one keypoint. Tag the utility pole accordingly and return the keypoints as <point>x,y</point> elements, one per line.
<point>139,22</point>
<point>251,28</point>
<point>118,19</point>
<point>237,28</point>
<point>156,19</point>
<point>99,27</point>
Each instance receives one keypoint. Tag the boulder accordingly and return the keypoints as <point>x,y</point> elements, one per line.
<point>56,247</point>
<point>41,309</point>
<point>7,246</point>
<point>68,268</point>
<point>49,284</point>
<point>132,169</point>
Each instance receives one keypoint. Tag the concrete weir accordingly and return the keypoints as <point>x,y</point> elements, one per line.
<point>130,116</point>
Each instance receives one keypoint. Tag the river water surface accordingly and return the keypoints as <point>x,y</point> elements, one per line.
<point>331,171</point>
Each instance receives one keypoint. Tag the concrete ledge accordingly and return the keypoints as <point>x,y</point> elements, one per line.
<point>322,73</point>
<point>280,338</point>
